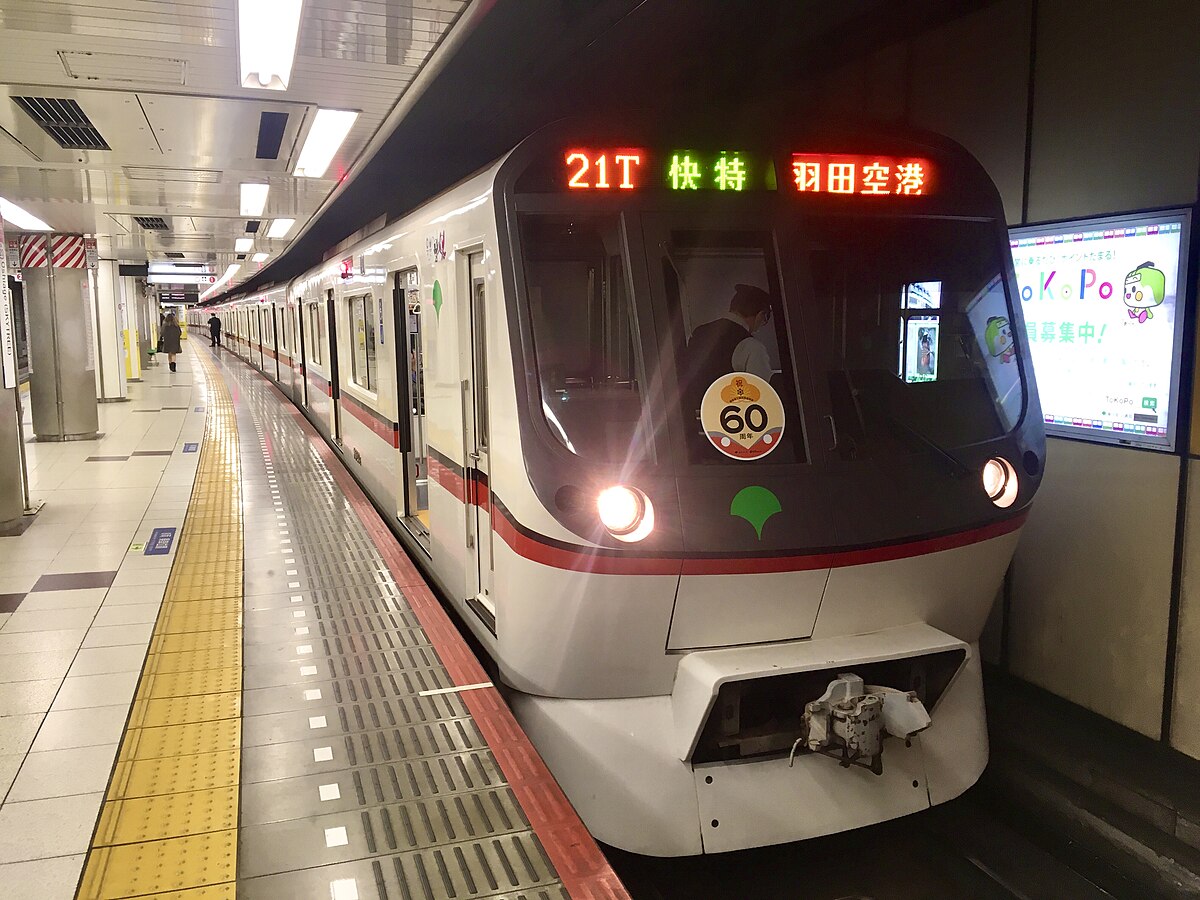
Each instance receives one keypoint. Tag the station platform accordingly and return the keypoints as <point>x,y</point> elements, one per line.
<point>221,676</point>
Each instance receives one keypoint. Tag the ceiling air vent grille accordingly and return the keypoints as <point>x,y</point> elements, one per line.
<point>65,121</point>
<point>151,223</point>
<point>174,255</point>
<point>166,173</point>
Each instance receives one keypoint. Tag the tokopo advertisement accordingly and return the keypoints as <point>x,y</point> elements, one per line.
<point>1104,317</point>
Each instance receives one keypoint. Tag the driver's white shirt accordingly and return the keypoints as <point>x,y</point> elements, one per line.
<point>750,355</point>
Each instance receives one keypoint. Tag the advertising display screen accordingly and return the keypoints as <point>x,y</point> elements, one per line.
<point>1103,303</point>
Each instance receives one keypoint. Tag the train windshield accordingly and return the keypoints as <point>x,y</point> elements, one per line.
<point>898,329</point>
<point>912,332</point>
<point>583,333</point>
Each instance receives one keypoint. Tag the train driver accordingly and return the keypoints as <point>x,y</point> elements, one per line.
<point>728,344</point>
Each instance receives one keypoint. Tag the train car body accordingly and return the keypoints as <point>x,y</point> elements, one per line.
<point>498,365</point>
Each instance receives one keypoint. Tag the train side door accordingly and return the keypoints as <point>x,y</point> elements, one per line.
<point>476,436</point>
<point>275,339</point>
<point>410,401</point>
<point>301,342</point>
<point>335,381</point>
<point>261,328</point>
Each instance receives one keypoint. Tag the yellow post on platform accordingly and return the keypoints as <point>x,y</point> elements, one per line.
<point>133,362</point>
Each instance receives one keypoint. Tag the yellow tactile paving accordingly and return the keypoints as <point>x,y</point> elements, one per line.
<point>168,826</point>
<point>215,892</point>
<point>182,740</point>
<point>195,681</point>
<point>151,867</point>
<point>168,815</point>
<point>212,641</point>
<point>156,713</point>
<point>160,775</point>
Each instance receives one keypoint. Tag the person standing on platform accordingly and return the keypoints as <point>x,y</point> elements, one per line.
<point>171,335</point>
<point>214,330</point>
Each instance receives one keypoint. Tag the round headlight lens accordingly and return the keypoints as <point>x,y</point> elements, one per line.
<point>1000,481</point>
<point>626,512</point>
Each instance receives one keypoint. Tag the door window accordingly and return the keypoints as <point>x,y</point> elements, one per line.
<point>316,333</point>
<point>363,371</point>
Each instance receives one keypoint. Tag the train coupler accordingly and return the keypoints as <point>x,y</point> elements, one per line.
<point>850,721</point>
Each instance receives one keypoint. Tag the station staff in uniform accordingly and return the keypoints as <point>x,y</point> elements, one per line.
<point>214,330</point>
<point>728,344</point>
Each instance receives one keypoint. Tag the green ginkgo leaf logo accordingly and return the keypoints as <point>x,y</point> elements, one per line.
<point>437,298</point>
<point>755,504</point>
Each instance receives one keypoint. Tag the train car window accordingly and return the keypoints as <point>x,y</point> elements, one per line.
<point>363,370</point>
<point>584,334</point>
<point>727,315</point>
<point>316,333</point>
<point>919,356</point>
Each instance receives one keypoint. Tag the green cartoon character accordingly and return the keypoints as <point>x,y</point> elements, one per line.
<point>1145,287</point>
<point>998,337</point>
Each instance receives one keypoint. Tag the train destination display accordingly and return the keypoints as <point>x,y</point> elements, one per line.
<point>737,171</point>
<point>1103,324</point>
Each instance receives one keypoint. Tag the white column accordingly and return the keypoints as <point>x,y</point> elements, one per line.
<point>110,348</point>
<point>13,484</point>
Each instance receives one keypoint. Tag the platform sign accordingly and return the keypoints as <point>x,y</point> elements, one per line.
<point>190,448</point>
<point>8,337</point>
<point>1105,325</point>
<point>160,542</point>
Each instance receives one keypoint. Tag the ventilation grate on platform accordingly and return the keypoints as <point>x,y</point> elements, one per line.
<point>65,121</point>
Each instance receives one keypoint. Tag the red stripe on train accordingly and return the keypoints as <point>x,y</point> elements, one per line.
<point>604,562</point>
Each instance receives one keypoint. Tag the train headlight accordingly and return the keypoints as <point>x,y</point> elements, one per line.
<point>626,512</point>
<point>1000,481</point>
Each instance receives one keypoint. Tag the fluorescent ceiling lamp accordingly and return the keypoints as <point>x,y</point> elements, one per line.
<point>254,199</point>
<point>328,130</point>
<point>180,278</point>
<point>243,245</point>
<point>279,228</point>
<point>179,268</point>
<point>259,257</point>
<point>18,218</point>
<point>229,273</point>
<point>267,33</point>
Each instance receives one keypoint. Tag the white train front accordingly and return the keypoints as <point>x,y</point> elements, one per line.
<point>673,542</point>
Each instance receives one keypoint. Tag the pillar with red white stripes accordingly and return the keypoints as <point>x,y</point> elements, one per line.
<point>58,292</point>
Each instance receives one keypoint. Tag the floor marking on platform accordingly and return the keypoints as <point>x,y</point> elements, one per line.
<point>456,690</point>
<point>169,820</point>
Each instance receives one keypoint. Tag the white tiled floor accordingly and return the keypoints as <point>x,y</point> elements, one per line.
<point>70,659</point>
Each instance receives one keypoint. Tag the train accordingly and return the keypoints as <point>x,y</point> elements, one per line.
<point>720,454</point>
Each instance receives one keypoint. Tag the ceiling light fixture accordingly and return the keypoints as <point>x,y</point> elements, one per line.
<point>279,228</point>
<point>328,130</point>
<point>267,33</point>
<point>243,245</point>
<point>254,199</point>
<point>233,269</point>
<point>20,219</point>
<point>259,257</point>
